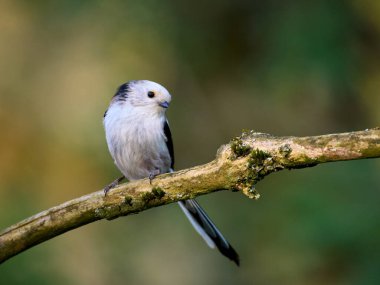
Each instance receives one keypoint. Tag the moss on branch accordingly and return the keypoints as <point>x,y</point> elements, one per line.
<point>239,165</point>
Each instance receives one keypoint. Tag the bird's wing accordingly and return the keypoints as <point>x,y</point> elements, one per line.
<point>169,143</point>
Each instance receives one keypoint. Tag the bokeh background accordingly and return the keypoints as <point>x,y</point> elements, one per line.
<point>282,67</point>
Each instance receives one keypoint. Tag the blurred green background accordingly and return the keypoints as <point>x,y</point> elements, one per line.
<point>282,67</point>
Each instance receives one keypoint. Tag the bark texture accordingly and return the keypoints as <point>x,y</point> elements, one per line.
<point>238,166</point>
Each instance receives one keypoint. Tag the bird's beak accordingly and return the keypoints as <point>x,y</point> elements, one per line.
<point>164,104</point>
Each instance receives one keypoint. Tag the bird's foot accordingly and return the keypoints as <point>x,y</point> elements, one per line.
<point>112,185</point>
<point>153,174</point>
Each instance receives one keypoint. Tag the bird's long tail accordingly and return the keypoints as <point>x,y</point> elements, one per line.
<point>206,228</point>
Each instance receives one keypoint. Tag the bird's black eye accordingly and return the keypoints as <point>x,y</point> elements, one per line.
<point>151,94</point>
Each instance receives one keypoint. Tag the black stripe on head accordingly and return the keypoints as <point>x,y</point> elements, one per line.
<point>121,94</point>
<point>123,91</point>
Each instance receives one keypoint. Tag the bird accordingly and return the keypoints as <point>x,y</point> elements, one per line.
<point>140,142</point>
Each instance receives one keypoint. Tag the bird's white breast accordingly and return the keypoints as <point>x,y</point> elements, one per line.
<point>136,141</point>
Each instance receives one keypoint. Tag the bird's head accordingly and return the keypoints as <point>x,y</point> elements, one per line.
<point>144,94</point>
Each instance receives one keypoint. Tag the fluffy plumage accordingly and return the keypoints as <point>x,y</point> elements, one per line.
<point>140,142</point>
<point>134,125</point>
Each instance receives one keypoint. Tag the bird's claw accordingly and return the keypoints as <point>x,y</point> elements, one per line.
<point>112,185</point>
<point>152,175</point>
<point>109,187</point>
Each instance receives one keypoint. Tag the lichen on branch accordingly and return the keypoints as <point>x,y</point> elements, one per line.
<point>238,166</point>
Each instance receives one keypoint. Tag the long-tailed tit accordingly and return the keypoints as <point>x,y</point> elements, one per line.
<point>140,142</point>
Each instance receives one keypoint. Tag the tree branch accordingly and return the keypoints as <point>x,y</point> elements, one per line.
<point>238,166</point>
